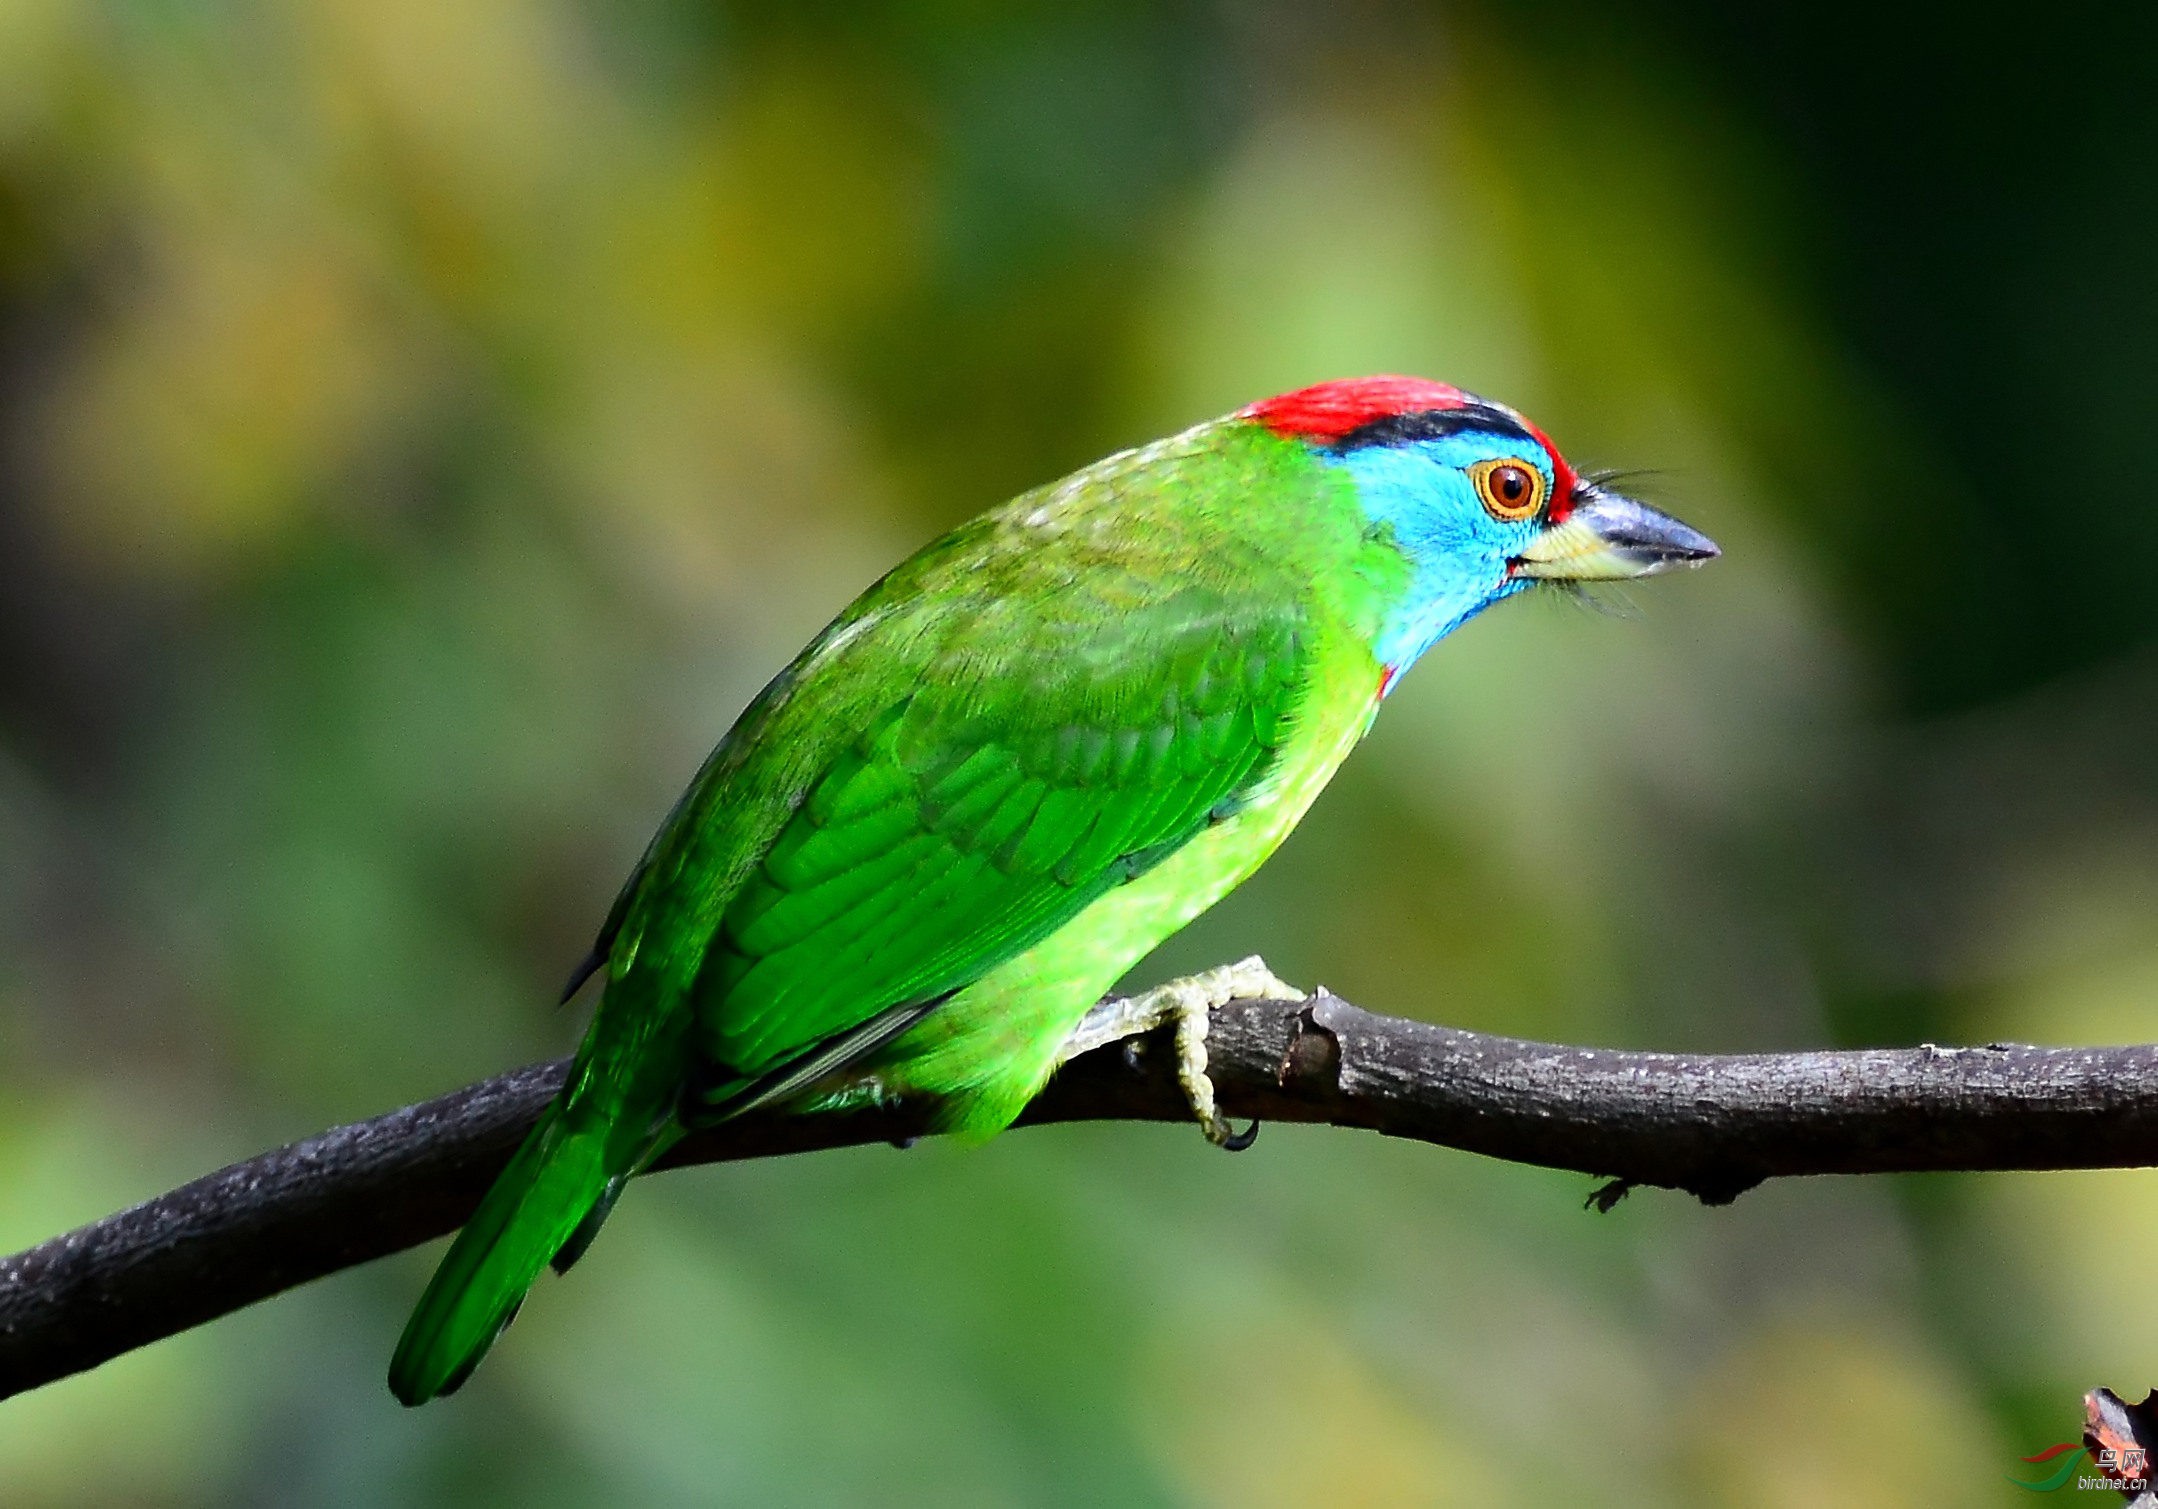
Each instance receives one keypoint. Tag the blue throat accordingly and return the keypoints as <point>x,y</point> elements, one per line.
<point>1419,497</point>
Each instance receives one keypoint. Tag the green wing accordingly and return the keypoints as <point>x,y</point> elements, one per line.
<point>1043,752</point>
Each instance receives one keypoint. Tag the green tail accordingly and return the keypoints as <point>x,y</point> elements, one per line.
<point>540,1201</point>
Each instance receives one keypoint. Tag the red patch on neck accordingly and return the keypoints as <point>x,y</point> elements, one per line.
<point>1327,411</point>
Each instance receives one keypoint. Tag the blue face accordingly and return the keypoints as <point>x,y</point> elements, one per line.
<point>1460,506</point>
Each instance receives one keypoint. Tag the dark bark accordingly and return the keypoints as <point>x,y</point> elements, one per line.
<point>1713,1125</point>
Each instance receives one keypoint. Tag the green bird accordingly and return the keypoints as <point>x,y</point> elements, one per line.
<point>1011,768</point>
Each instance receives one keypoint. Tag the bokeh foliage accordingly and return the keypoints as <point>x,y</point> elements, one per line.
<point>422,426</point>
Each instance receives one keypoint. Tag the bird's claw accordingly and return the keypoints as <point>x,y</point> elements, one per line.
<point>1188,1004</point>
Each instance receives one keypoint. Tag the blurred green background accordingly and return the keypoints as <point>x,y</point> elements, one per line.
<point>423,426</point>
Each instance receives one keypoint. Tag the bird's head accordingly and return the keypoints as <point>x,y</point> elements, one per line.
<point>1477,499</point>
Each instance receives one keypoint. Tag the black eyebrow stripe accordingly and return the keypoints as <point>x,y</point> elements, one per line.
<point>1431,424</point>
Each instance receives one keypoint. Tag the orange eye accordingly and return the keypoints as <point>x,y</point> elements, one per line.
<point>1511,489</point>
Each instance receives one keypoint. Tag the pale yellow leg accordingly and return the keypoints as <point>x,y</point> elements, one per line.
<point>1189,1003</point>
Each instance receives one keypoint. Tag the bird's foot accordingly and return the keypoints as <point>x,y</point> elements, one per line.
<point>1189,1003</point>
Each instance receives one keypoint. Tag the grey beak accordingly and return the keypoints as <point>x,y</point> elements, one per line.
<point>1607,537</point>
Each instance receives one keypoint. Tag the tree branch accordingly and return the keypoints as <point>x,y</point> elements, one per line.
<point>1713,1125</point>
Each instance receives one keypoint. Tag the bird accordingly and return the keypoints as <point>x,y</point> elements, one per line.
<point>1012,767</point>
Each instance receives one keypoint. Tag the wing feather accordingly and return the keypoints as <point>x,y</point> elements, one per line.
<point>982,809</point>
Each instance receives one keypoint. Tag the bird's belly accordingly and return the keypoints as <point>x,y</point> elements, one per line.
<point>989,1050</point>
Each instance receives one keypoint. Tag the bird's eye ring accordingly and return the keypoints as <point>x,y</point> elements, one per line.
<point>1511,489</point>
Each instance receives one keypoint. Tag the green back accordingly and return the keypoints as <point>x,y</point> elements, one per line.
<point>1035,708</point>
